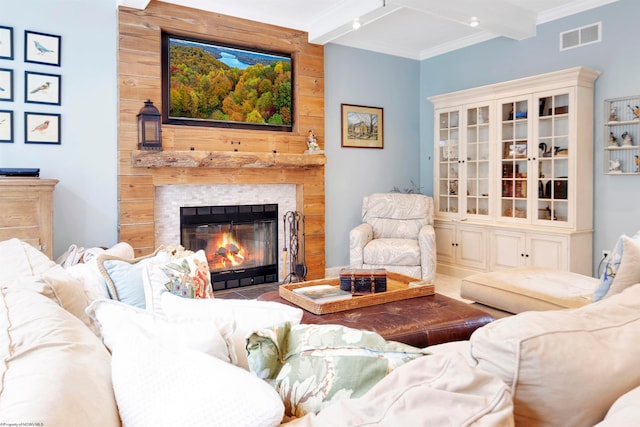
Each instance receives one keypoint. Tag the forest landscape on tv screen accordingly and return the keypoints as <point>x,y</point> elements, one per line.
<point>211,84</point>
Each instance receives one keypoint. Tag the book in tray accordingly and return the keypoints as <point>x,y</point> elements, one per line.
<point>323,293</point>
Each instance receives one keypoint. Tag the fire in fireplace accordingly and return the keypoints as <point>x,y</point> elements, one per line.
<point>240,241</point>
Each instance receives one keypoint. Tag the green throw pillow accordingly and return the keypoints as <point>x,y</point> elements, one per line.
<point>313,365</point>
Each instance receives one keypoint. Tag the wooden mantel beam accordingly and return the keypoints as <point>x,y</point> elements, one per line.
<point>224,160</point>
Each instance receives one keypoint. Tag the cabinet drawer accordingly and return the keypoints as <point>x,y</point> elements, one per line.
<point>20,212</point>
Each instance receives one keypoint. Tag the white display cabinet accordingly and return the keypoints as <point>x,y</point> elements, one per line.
<point>517,156</point>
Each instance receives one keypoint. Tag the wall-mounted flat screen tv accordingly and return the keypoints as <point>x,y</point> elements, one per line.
<point>207,83</point>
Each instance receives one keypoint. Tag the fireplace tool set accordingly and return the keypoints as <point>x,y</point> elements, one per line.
<point>294,267</point>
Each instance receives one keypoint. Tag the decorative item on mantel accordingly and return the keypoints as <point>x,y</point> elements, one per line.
<point>149,127</point>
<point>312,143</point>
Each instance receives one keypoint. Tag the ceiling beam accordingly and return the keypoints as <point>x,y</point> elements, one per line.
<point>339,21</point>
<point>498,17</point>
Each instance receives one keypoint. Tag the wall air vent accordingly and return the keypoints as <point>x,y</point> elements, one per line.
<point>582,36</point>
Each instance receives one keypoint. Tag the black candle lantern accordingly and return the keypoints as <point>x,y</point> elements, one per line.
<point>149,127</point>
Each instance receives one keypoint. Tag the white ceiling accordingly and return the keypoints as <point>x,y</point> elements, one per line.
<point>415,29</point>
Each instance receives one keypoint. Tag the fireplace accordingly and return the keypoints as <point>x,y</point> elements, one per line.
<point>240,242</point>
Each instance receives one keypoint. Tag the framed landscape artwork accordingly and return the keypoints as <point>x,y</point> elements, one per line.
<point>362,127</point>
<point>41,128</point>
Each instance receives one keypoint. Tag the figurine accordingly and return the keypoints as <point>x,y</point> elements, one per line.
<point>614,166</point>
<point>613,115</point>
<point>635,111</point>
<point>312,143</point>
<point>627,140</point>
<point>613,141</point>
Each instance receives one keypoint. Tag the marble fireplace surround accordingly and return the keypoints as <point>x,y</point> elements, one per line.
<point>170,198</point>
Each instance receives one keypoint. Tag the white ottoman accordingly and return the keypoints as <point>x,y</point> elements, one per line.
<point>529,288</point>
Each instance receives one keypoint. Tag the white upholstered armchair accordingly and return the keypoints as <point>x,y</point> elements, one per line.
<point>397,234</point>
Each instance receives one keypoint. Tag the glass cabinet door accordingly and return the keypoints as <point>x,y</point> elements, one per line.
<point>553,158</point>
<point>513,153</point>
<point>477,161</point>
<point>448,161</point>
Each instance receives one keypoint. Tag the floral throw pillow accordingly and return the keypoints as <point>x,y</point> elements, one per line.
<point>189,277</point>
<point>311,366</point>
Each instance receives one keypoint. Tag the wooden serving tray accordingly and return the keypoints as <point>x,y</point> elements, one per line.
<point>397,289</point>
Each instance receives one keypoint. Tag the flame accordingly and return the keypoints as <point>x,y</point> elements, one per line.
<point>227,252</point>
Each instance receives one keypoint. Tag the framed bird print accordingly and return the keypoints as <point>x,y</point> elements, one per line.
<point>42,48</point>
<point>6,42</point>
<point>6,84</point>
<point>42,88</point>
<point>41,128</point>
<point>6,126</point>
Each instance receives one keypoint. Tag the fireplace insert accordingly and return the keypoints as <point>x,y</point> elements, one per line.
<point>240,241</point>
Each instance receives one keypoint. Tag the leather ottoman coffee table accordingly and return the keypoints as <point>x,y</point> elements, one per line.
<point>419,322</point>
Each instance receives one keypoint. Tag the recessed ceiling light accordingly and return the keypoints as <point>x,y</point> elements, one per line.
<point>356,24</point>
<point>474,21</point>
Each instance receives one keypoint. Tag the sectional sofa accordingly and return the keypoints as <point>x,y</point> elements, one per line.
<point>75,353</point>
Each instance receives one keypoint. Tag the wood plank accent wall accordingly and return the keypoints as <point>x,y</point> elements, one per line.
<point>139,76</point>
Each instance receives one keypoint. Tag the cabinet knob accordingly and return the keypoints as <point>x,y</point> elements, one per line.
<point>522,255</point>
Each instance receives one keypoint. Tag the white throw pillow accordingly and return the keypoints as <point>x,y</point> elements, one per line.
<point>157,385</point>
<point>118,321</point>
<point>565,367</point>
<point>248,315</point>
<point>629,270</point>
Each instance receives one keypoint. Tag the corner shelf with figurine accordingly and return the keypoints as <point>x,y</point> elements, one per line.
<point>621,133</point>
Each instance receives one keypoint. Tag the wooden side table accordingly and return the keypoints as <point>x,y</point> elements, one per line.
<point>27,211</point>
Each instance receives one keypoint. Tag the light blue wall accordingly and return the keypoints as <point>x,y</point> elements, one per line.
<point>616,200</point>
<point>359,77</point>
<point>85,207</point>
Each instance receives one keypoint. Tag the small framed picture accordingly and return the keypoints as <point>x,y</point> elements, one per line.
<point>362,127</point>
<point>42,48</point>
<point>41,128</point>
<point>6,42</point>
<point>6,84</point>
<point>41,88</point>
<point>6,126</point>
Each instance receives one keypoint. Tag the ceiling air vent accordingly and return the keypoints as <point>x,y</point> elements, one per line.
<point>581,36</point>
